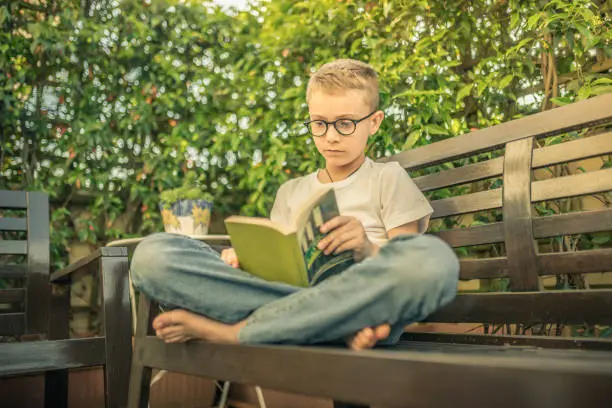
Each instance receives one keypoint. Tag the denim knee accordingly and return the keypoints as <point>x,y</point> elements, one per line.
<point>427,262</point>
<point>150,260</point>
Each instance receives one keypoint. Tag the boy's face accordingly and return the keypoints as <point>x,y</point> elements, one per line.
<point>337,149</point>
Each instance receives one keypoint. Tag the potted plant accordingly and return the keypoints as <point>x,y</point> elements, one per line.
<point>186,209</point>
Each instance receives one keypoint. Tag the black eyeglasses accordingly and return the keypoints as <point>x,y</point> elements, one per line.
<point>345,127</point>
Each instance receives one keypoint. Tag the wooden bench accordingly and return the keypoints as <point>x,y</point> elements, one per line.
<point>38,304</point>
<point>443,370</point>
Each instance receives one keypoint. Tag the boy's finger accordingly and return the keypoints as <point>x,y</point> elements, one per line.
<point>335,223</point>
<point>333,235</point>
<point>347,246</point>
<point>228,260</point>
<point>327,241</point>
<point>339,240</point>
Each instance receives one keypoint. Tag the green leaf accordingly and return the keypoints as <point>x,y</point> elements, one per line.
<point>480,87</point>
<point>561,100</point>
<point>412,139</point>
<point>465,91</point>
<point>586,34</point>
<point>434,129</point>
<point>415,92</point>
<point>601,239</point>
<point>455,126</point>
<point>514,19</point>
<point>602,81</point>
<point>291,93</point>
<point>505,81</point>
<point>532,21</point>
<point>462,251</point>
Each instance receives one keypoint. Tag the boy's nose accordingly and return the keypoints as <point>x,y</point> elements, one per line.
<point>332,135</point>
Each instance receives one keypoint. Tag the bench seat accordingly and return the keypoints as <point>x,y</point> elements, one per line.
<point>412,374</point>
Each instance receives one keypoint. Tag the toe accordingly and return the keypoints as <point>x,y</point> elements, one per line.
<point>170,331</point>
<point>361,340</point>
<point>161,321</point>
<point>367,333</point>
<point>382,331</point>
<point>168,319</point>
<point>177,339</point>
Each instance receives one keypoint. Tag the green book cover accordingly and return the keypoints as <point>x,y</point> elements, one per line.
<point>289,253</point>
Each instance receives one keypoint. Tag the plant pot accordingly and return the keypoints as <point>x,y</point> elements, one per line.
<point>189,217</point>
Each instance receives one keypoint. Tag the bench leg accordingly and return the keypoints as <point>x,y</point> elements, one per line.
<point>117,328</point>
<point>140,375</point>
<point>56,389</point>
<point>338,404</point>
<point>56,382</point>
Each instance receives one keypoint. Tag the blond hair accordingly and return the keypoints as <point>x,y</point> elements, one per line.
<point>343,74</point>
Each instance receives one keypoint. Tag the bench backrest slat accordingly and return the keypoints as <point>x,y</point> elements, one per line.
<point>461,175</point>
<point>573,223</point>
<point>477,235</point>
<point>13,224</point>
<point>483,268</point>
<point>564,263</point>
<point>571,186</point>
<point>13,271</point>
<point>576,307</point>
<point>12,295</point>
<point>573,150</point>
<point>482,200</point>
<point>28,263</point>
<point>542,157</point>
<point>561,263</point>
<point>12,324</point>
<point>13,199</point>
<point>568,186</point>
<point>575,116</point>
<point>13,247</point>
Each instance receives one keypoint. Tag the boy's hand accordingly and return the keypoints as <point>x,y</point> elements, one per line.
<point>229,257</point>
<point>346,233</point>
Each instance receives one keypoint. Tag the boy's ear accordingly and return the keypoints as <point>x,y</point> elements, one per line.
<point>377,119</point>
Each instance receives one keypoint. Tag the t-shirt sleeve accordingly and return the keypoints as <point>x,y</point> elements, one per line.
<point>401,200</point>
<point>280,209</point>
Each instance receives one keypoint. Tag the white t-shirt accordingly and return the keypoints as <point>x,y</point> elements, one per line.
<point>380,195</point>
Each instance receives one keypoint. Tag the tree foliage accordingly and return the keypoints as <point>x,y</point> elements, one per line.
<point>104,105</point>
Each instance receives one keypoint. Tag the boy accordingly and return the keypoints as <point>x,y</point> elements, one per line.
<point>401,275</point>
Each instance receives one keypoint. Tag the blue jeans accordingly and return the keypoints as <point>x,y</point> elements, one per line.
<point>412,276</point>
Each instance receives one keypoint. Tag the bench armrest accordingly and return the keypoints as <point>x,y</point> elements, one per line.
<point>63,275</point>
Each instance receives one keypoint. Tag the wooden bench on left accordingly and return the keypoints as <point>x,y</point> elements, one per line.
<point>38,303</point>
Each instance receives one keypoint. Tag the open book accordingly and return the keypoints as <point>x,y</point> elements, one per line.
<point>289,253</point>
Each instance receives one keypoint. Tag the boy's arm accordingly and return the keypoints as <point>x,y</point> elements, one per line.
<point>409,228</point>
<point>402,202</point>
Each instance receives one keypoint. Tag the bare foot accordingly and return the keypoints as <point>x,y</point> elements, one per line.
<point>179,326</point>
<point>368,337</point>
